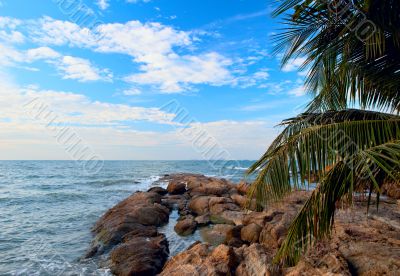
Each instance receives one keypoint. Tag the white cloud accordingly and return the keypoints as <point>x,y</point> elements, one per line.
<point>81,69</point>
<point>107,129</point>
<point>69,67</point>
<point>293,64</point>
<point>132,92</point>
<point>151,44</point>
<point>176,74</point>
<point>258,78</point>
<point>298,91</point>
<point>8,31</point>
<point>103,4</point>
<point>41,53</point>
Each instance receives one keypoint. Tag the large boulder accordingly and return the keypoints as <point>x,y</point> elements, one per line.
<point>176,187</point>
<point>251,233</point>
<point>135,213</point>
<point>199,205</point>
<point>140,256</point>
<point>216,234</point>
<point>201,259</point>
<point>254,261</point>
<point>158,190</point>
<point>185,226</point>
<point>203,220</point>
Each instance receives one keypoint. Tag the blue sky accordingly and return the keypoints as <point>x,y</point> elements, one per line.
<point>108,70</point>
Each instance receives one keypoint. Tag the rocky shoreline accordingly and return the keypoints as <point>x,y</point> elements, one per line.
<point>238,241</point>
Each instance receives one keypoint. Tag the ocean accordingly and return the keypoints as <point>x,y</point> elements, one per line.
<point>47,209</point>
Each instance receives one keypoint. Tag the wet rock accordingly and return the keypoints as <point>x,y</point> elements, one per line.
<point>251,233</point>
<point>158,190</point>
<point>140,256</point>
<point>186,226</point>
<point>175,201</point>
<point>176,187</point>
<point>130,215</point>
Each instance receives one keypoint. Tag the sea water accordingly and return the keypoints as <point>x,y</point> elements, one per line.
<point>47,209</point>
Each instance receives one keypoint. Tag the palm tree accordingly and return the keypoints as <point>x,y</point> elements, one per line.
<point>348,149</point>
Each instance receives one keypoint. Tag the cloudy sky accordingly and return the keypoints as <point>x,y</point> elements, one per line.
<point>142,79</point>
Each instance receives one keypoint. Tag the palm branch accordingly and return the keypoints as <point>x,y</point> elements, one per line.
<point>361,148</point>
<point>344,67</point>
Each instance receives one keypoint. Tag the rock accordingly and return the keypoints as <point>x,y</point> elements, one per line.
<point>391,189</point>
<point>260,218</point>
<point>233,216</point>
<point>243,187</point>
<point>140,256</point>
<point>233,237</point>
<point>199,205</point>
<point>175,201</point>
<point>176,187</point>
<point>158,190</point>
<point>200,259</point>
<point>132,214</point>
<point>216,234</point>
<point>255,261</point>
<point>220,204</point>
<point>203,220</point>
<point>251,233</point>
<point>217,219</point>
<point>239,200</point>
<point>186,226</point>
<point>322,260</point>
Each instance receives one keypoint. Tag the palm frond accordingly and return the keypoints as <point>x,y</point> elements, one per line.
<point>312,142</point>
<point>314,221</point>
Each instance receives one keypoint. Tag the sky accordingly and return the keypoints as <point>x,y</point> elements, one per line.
<point>142,79</point>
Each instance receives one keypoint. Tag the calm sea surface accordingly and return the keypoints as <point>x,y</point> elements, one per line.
<point>48,207</point>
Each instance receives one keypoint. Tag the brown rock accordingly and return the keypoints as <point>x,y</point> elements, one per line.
<point>392,189</point>
<point>186,226</point>
<point>199,205</point>
<point>233,216</point>
<point>243,187</point>
<point>158,190</point>
<point>140,256</point>
<point>203,220</point>
<point>176,187</point>
<point>216,234</point>
<point>255,261</point>
<point>251,233</point>
<point>175,201</point>
<point>239,200</point>
<point>233,237</point>
<point>131,214</point>
<point>201,260</point>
